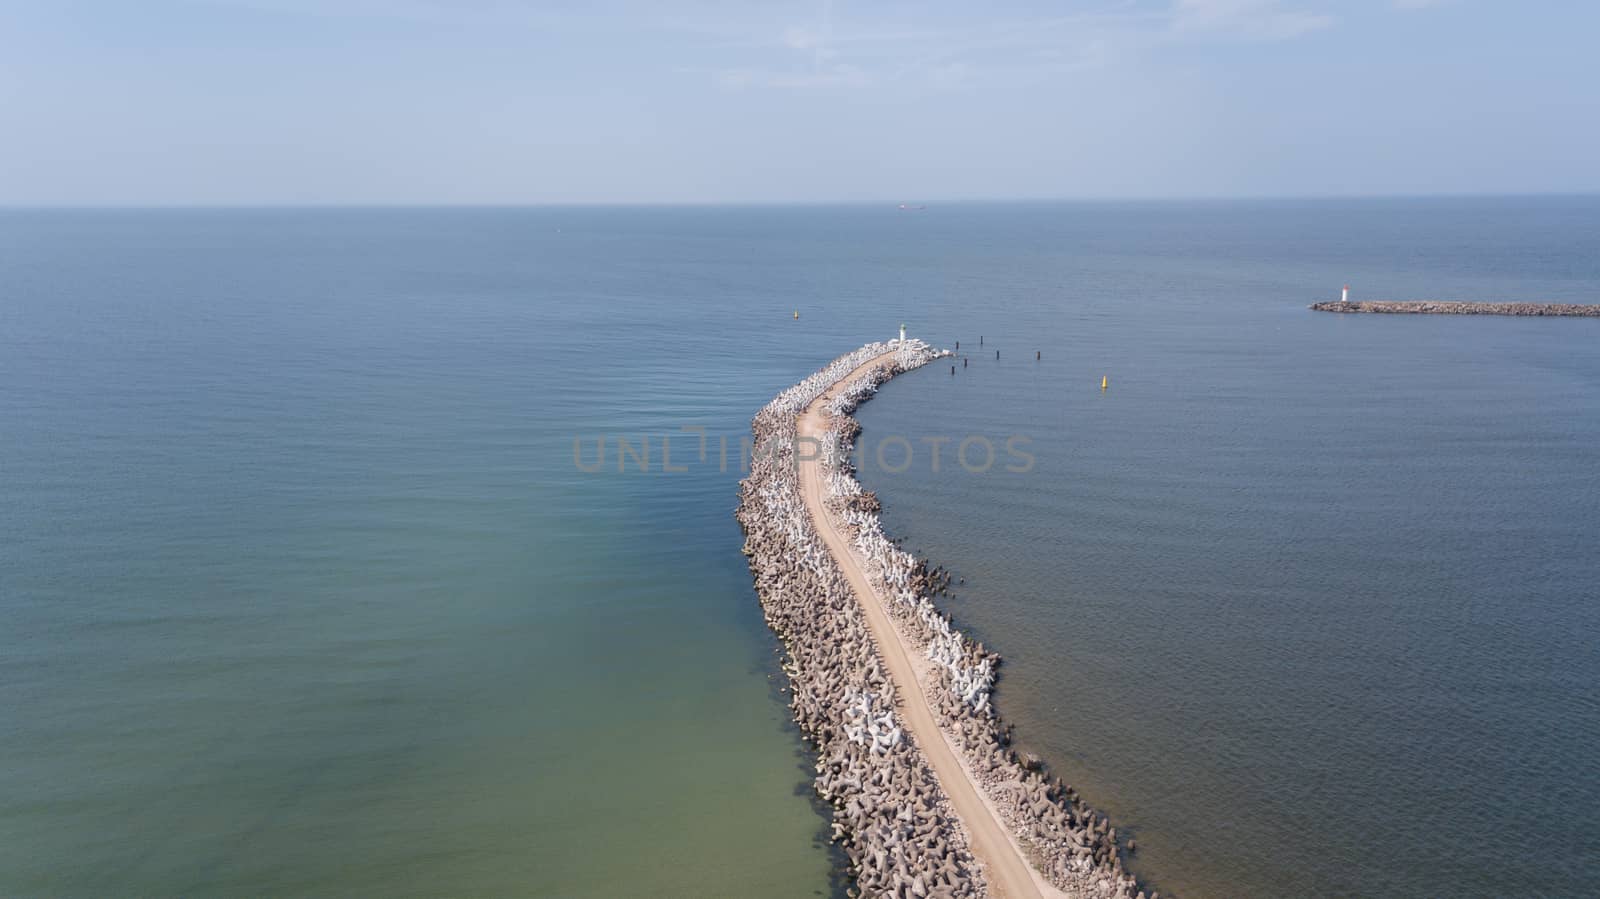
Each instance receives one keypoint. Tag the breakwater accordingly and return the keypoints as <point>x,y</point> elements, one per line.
<point>1440,307</point>
<point>892,814</point>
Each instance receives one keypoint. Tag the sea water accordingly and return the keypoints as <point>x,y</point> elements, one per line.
<point>314,579</point>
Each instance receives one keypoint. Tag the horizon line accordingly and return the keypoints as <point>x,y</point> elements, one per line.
<point>768,203</point>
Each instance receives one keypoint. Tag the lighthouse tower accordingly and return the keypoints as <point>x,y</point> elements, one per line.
<point>1345,297</point>
<point>902,332</point>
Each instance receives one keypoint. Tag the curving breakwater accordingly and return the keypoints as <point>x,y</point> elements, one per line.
<point>1440,307</point>
<point>892,812</point>
<point>889,812</point>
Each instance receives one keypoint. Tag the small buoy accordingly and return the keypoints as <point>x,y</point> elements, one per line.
<point>797,315</point>
<point>980,340</point>
<point>1105,381</point>
<point>997,354</point>
<point>963,361</point>
<point>1036,356</point>
<point>952,369</point>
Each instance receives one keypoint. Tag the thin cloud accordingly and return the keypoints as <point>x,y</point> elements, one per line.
<point>940,46</point>
<point>1246,19</point>
<point>834,52</point>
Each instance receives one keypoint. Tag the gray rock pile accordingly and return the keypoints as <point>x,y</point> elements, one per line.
<point>890,816</point>
<point>889,812</point>
<point>1442,307</point>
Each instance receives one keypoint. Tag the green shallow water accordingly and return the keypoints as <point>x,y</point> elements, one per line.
<point>304,594</point>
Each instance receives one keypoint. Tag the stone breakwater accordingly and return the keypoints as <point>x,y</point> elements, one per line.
<point>1439,307</point>
<point>890,813</point>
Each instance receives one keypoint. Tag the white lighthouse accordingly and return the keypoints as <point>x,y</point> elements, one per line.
<point>902,332</point>
<point>1345,297</point>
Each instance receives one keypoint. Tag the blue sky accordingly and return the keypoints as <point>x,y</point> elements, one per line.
<point>620,101</point>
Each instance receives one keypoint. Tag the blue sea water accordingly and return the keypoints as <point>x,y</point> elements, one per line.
<point>306,587</point>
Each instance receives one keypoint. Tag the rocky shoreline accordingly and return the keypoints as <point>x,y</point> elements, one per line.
<point>1441,307</point>
<point>892,818</point>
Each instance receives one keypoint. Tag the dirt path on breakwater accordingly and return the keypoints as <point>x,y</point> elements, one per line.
<point>1006,868</point>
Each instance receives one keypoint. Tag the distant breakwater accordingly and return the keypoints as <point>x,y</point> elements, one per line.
<point>1440,307</point>
<point>890,814</point>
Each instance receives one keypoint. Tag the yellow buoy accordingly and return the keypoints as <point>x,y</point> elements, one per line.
<point>1105,381</point>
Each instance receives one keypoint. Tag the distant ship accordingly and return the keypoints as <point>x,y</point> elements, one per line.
<point>910,208</point>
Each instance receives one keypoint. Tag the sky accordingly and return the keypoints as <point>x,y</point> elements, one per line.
<point>312,102</point>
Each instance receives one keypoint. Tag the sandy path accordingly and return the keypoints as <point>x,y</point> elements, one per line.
<point>1006,868</point>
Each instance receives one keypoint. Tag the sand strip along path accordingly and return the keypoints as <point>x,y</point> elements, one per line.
<point>1005,867</point>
